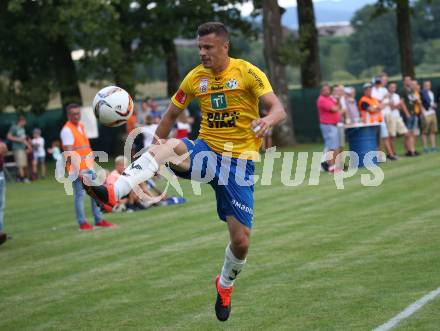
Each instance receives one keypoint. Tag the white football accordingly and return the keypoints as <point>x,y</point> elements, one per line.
<point>112,106</point>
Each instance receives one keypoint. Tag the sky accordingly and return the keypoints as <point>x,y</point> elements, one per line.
<point>246,8</point>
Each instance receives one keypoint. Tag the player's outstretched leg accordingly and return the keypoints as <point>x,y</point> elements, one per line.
<point>235,259</point>
<point>142,169</point>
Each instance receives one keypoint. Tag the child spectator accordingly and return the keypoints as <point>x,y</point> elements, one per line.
<point>39,153</point>
<point>55,150</point>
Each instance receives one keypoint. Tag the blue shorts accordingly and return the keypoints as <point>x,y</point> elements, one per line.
<point>231,178</point>
<point>331,137</point>
<point>411,122</point>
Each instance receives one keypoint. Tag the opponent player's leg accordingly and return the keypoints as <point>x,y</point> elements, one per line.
<point>235,259</point>
<point>142,169</point>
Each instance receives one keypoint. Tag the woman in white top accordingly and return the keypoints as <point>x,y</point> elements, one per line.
<point>39,153</point>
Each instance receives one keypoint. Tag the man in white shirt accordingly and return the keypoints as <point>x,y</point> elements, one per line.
<point>74,139</point>
<point>393,120</point>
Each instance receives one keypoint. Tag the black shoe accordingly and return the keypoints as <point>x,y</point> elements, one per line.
<point>409,154</point>
<point>392,157</point>
<point>415,153</point>
<point>223,302</point>
<point>3,238</point>
<point>324,166</point>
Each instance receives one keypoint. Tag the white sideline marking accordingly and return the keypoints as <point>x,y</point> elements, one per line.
<point>411,309</point>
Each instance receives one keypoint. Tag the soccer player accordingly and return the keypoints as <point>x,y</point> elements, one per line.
<point>228,90</point>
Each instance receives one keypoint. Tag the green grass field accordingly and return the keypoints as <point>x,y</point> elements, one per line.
<point>320,258</point>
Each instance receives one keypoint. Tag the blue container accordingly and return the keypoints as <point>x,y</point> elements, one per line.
<point>363,139</point>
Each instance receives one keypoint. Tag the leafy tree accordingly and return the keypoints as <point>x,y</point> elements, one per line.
<point>169,19</point>
<point>426,15</point>
<point>272,33</point>
<point>36,54</point>
<point>403,24</point>
<point>374,41</point>
<point>308,45</point>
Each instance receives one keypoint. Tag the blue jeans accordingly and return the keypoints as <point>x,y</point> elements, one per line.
<point>2,198</point>
<point>78,193</point>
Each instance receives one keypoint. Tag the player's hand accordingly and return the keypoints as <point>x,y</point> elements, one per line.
<point>261,127</point>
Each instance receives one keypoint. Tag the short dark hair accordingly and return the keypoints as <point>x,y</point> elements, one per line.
<point>20,117</point>
<point>218,28</point>
<point>71,106</point>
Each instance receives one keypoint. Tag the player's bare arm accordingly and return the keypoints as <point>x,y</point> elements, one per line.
<point>276,114</point>
<point>168,120</point>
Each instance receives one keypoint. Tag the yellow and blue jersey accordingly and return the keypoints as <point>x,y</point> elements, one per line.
<point>228,103</point>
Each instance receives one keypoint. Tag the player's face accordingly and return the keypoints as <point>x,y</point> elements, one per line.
<point>213,50</point>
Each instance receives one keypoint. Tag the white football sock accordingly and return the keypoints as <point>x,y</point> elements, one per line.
<point>231,268</point>
<point>137,172</point>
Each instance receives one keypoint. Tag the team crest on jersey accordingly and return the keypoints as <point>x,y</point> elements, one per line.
<point>232,84</point>
<point>204,85</point>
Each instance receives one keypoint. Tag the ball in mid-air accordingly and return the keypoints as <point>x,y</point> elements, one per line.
<point>112,106</point>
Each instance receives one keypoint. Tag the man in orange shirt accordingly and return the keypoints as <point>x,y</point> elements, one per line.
<point>74,139</point>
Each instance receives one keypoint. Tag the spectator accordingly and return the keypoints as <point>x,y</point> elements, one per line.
<point>351,106</point>
<point>183,125</point>
<point>339,95</point>
<point>429,117</point>
<point>409,101</point>
<point>132,202</point>
<point>149,130</point>
<point>145,108</point>
<point>152,108</point>
<point>55,150</point>
<point>329,115</point>
<point>392,116</point>
<point>39,153</point>
<point>371,112</point>
<point>3,151</point>
<point>379,91</point>
<point>74,138</point>
<point>17,135</point>
<point>30,160</point>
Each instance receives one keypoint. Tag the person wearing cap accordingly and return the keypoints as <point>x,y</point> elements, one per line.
<point>371,112</point>
<point>39,153</point>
